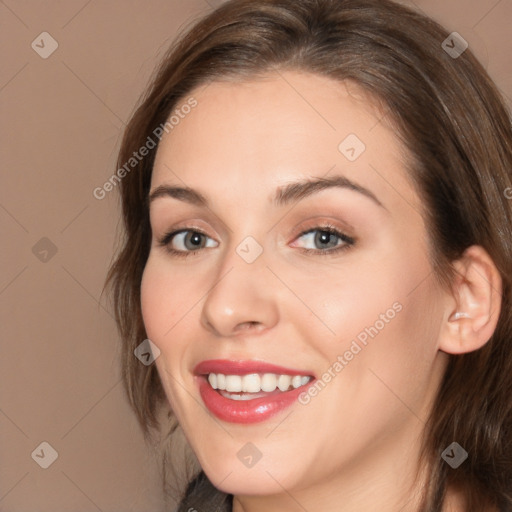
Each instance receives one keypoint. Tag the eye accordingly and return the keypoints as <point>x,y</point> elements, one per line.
<point>324,239</point>
<point>186,241</point>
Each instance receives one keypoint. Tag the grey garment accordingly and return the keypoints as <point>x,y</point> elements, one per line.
<point>202,496</point>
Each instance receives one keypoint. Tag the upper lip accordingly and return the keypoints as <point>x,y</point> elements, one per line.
<point>244,367</point>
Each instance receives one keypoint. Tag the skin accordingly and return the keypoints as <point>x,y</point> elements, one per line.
<point>355,445</point>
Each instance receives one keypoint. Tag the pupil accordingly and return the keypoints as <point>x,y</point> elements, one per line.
<point>195,239</point>
<point>324,237</point>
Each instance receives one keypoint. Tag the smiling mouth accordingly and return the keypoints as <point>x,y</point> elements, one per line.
<point>248,391</point>
<point>255,385</point>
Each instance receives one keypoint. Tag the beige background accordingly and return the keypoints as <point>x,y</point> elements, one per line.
<point>62,118</point>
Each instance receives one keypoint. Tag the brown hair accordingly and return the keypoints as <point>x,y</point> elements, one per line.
<point>457,130</point>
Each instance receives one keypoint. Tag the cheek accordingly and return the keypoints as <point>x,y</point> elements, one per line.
<point>153,300</point>
<point>393,331</point>
<point>363,292</point>
<point>164,303</point>
<point>385,311</point>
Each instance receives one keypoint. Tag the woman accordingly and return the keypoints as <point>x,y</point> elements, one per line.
<point>319,247</point>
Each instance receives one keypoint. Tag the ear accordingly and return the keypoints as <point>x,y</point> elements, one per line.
<point>473,312</point>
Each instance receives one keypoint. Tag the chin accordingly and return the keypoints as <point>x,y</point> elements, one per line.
<point>249,482</point>
<point>268,475</point>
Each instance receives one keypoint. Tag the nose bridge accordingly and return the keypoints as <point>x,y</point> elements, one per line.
<point>241,295</point>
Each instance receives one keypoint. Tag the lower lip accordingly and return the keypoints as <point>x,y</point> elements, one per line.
<point>247,411</point>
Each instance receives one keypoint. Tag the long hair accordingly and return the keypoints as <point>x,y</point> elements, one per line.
<point>457,131</point>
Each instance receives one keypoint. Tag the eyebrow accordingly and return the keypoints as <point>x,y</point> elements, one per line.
<point>286,194</point>
<point>186,194</point>
<point>296,191</point>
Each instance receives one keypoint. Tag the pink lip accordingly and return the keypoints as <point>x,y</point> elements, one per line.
<point>229,367</point>
<point>245,411</point>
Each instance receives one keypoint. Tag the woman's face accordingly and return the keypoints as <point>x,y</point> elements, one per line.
<point>275,278</point>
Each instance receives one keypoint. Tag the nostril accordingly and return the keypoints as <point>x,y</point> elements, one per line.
<point>250,326</point>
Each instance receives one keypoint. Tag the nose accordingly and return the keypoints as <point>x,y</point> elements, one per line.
<point>241,300</point>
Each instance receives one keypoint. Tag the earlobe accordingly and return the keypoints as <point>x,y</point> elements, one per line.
<point>476,293</point>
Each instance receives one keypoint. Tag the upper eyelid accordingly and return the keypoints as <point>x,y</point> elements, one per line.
<point>340,233</point>
<point>179,231</point>
<point>304,231</point>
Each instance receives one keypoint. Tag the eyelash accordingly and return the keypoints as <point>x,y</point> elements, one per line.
<point>327,228</point>
<point>348,241</point>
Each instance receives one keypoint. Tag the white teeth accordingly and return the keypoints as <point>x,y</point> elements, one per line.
<point>221,381</point>
<point>212,379</point>
<point>297,381</point>
<point>268,382</point>
<point>233,383</point>
<point>234,396</point>
<point>251,383</point>
<point>255,383</point>
<point>283,382</point>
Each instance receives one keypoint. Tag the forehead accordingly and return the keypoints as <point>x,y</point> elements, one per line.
<point>261,133</point>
